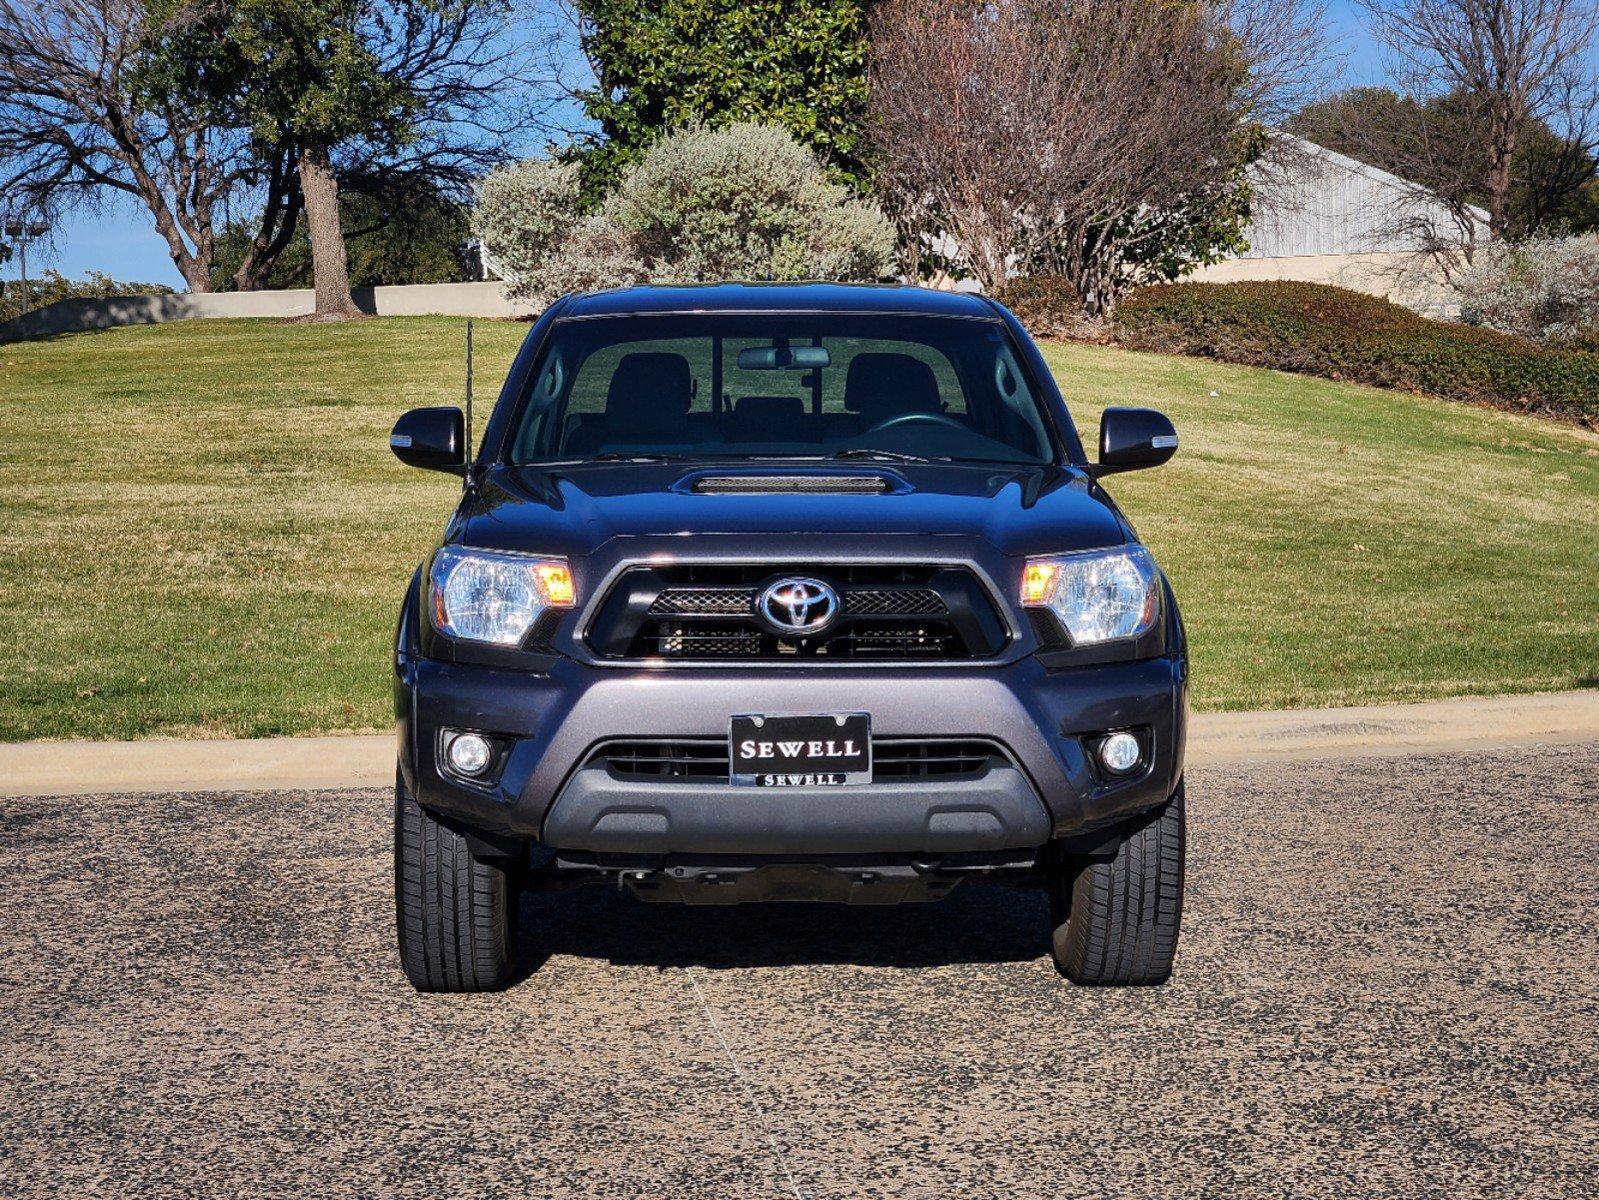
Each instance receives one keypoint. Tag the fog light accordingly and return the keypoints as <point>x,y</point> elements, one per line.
<point>1120,753</point>
<point>469,754</point>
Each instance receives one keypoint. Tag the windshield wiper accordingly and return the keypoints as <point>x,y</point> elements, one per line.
<point>630,456</point>
<point>883,455</point>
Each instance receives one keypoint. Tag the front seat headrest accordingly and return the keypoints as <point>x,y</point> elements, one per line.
<point>649,397</point>
<point>880,386</point>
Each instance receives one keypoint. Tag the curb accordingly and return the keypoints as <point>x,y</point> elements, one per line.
<point>1395,730</point>
<point>1214,739</point>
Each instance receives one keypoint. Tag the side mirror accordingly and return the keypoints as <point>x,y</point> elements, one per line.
<point>431,438</point>
<point>1133,438</point>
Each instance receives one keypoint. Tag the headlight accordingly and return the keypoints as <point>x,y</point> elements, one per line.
<point>1101,596</point>
<point>485,596</point>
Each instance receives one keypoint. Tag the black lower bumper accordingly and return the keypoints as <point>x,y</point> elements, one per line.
<point>600,812</point>
<point>1047,721</point>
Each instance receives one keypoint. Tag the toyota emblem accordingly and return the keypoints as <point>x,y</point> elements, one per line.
<point>798,606</point>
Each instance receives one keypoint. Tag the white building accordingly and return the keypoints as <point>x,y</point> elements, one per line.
<point>1327,218</point>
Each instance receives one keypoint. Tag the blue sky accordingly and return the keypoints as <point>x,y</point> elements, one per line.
<point>121,241</point>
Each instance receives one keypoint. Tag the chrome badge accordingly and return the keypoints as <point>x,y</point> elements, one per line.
<point>800,607</point>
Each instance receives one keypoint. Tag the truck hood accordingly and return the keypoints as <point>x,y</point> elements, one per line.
<point>573,510</point>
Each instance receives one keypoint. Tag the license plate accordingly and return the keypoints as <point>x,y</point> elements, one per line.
<point>802,751</point>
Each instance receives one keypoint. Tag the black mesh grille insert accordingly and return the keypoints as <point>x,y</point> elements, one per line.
<point>707,758</point>
<point>895,602</point>
<point>888,638</point>
<point>700,641</point>
<point>1046,628</point>
<point>678,602</point>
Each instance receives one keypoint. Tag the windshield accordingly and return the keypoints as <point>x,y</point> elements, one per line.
<point>789,385</point>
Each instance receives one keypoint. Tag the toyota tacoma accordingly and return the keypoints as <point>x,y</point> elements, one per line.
<point>768,592</point>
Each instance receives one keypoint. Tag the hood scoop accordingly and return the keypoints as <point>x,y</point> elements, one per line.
<point>840,484</point>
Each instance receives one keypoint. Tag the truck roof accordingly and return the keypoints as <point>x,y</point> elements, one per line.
<point>777,297</point>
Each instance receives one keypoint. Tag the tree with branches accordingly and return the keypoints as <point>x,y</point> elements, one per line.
<point>375,90</point>
<point>77,126</point>
<point>1094,140</point>
<point>1554,178</point>
<point>1513,62</point>
<point>1495,108</point>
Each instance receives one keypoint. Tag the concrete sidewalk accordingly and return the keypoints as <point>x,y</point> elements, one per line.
<point>314,763</point>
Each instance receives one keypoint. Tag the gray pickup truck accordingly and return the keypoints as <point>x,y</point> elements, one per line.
<point>786,592</point>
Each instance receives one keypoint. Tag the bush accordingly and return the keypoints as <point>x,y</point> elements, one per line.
<point>1546,288</point>
<point>52,286</point>
<point>597,254</point>
<point>1049,305</point>
<point>1339,334</point>
<point>523,215</point>
<point>743,202</point>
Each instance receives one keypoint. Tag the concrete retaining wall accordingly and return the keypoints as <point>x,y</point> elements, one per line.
<point>1403,278</point>
<point>413,300</point>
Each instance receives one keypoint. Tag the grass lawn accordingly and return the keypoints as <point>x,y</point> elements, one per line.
<point>204,532</point>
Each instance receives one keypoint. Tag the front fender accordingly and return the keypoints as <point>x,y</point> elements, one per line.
<point>407,649</point>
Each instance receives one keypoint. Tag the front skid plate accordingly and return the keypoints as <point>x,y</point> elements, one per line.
<point>789,881</point>
<point>820,882</point>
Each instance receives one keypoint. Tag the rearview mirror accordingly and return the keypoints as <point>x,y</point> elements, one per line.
<point>784,358</point>
<point>1133,438</point>
<point>431,438</point>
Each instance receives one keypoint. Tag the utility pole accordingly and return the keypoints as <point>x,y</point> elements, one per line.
<point>19,233</point>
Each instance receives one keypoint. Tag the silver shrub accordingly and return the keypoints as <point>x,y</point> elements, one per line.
<point>596,254</point>
<point>524,213</point>
<point>742,202</point>
<point>1544,288</point>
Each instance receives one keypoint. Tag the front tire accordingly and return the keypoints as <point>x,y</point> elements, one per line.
<point>456,913</point>
<point>1116,921</point>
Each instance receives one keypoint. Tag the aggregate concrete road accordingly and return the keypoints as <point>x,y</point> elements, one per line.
<point>1387,987</point>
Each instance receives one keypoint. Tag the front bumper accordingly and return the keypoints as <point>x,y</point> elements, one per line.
<point>1045,719</point>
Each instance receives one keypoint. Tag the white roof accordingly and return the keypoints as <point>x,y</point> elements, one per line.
<point>1333,204</point>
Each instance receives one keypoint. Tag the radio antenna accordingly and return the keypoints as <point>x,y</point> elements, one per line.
<point>468,482</point>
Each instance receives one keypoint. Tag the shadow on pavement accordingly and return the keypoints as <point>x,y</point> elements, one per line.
<point>977,923</point>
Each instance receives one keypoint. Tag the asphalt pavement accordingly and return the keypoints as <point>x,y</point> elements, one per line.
<point>1386,988</point>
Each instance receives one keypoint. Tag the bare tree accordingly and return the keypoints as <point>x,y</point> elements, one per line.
<point>75,125</point>
<point>1057,135</point>
<point>1504,66</point>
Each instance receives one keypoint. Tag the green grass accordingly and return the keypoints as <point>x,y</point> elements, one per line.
<point>1336,544</point>
<point>204,533</point>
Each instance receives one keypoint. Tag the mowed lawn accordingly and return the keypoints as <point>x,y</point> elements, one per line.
<point>205,534</point>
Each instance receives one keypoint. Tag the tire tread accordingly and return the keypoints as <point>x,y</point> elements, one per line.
<point>1117,921</point>
<point>454,913</point>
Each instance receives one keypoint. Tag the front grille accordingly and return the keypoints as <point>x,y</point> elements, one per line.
<point>707,758</point>
<point>706,612</point>
<point>700,641</point>
<point>693,602</point>
<point>888,602</point>
<point>671,639</point>
<point>896,602</point>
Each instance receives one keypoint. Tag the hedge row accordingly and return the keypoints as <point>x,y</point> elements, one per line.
<point>1050,307</point>
<point>1339,334</point>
